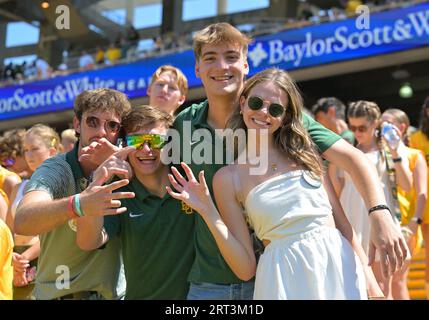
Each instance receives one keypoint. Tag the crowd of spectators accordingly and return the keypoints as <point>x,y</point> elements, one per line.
<point>125,47</point>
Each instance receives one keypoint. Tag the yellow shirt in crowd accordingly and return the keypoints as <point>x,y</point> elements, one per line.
<point>6,269</point>
<point>407,200</point>
<point>4,173</point>
<point>113,54</point>
<point>418,140</point>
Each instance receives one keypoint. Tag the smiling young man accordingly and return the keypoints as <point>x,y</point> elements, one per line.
<point>156,231</point>
<point>221,63</point>
<point>57,195</point>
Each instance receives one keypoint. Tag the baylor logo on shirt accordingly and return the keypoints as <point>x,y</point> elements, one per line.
<point>186,209</point>
<point>83,183</point>
<point>73,225</point>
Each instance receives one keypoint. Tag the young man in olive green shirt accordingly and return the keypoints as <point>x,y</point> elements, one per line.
<point>221,63</point>
<point>64,270</point>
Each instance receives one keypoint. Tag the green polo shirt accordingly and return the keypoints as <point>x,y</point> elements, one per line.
<point>209,265</point>
<point>157,244</point>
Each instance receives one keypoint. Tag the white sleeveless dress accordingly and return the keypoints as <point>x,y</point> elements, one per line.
<point>305,259</point>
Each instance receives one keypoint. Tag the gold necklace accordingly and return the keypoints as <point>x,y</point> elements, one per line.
<point>274,166</point>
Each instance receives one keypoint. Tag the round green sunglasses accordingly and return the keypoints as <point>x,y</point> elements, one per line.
<point>274,109</point>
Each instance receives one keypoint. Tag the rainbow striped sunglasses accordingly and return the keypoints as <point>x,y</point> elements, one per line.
<point>155,141</point>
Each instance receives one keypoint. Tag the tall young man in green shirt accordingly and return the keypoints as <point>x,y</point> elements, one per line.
<point>221,63</point>
<point>157,231</point>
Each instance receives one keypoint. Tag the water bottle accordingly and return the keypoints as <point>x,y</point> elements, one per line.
<point>390,135</point>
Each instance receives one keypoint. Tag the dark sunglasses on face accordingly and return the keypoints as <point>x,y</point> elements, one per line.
<point>155,141</point>
<point>274,109</point>
<point>109,125</point>
<point>361,129</point>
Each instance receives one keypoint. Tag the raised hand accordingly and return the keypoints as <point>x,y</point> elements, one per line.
<point>100,200</point>
<point>194,193</point>
<point>116,164</point>
<point>97,151</point>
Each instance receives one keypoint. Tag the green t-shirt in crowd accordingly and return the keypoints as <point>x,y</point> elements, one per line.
<point>63,268</point>
<point>349,136</point>
<point>209,265</point>
<point>157,244</point>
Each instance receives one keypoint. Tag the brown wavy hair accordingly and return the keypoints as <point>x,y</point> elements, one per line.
<point>101,99</point>
<point>291,137</point>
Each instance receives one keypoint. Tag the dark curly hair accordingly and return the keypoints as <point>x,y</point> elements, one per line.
<point>11,144</point>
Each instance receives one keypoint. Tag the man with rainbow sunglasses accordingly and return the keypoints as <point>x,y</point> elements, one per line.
<point>156,230</point>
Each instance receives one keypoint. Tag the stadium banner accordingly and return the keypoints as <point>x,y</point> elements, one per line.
<point>385,32</point>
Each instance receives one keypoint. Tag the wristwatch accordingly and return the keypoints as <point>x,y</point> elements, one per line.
<point>417,220</point>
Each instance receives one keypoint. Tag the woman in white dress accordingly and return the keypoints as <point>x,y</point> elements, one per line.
<point>393,170</point>
<point>305,256</point>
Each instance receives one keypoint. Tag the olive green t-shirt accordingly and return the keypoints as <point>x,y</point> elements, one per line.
<point>63,268</point>
<point>209,265</point>
<point>157,244</point>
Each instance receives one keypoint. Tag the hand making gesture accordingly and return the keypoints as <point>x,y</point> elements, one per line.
<point>98,151</point>
<point>99,199</point>
<point>194,193</point>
